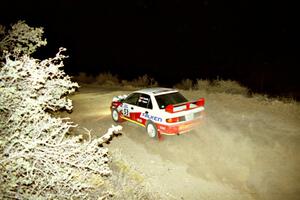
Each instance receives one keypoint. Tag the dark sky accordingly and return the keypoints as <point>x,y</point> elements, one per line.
<point>253,42</point>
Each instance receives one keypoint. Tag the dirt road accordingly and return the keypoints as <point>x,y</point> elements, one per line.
<point>246,148</point>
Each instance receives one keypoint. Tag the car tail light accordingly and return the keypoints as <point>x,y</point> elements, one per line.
<point>116,103</point>
<point>175,119</point>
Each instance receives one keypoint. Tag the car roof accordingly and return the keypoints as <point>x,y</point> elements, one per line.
<point>157,90</point>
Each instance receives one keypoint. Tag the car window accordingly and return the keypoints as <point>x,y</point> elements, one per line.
<point>169,99</point>
<point>132,98</point>
<point>144,101</point>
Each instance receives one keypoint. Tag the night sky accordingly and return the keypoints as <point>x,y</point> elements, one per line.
<point>253,42</point>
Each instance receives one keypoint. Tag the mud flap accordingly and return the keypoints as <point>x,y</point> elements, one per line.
<point>159,136</point>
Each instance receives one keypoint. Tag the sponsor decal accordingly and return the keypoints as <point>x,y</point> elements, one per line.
<point>143,100</point>
<point>151,117</point>
<point>125,110</point>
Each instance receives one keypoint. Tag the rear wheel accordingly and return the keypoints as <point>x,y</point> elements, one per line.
<point>115,116</point>
<point>151,129</point>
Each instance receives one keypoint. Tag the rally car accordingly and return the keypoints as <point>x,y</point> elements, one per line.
<point>159,110</point>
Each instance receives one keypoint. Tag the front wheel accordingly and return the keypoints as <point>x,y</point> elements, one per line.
<point>115,116</point>
<point>151,129</point>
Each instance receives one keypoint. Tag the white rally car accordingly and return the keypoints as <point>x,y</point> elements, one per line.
<point>159,110</point>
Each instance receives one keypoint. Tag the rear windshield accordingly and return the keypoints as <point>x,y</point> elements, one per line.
<point>171,98</point>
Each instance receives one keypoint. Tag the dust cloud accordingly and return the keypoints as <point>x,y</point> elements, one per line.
<point>246,148</point>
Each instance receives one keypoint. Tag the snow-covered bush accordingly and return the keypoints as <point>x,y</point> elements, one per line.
<point>37,159</point>
<point>21,39</point>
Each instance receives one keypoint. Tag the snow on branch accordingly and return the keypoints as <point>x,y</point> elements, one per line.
<point>21,39</point>
<point>38,158</point>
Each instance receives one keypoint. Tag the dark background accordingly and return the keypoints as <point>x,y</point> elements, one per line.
<point>253,42</point>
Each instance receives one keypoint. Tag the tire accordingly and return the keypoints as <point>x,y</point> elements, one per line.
<point>151,129</point>
<point>115,116</point>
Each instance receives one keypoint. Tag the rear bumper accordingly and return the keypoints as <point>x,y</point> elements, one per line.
<point>179,128</point>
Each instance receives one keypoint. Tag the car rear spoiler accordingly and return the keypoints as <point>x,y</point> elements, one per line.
<point>185,106</point>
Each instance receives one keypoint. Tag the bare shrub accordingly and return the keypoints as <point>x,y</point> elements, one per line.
<point>185,84</point>
<point>37,160</point>
<point>2,30</point>
<point>221,86</point>
<point>107,79</point>
<point>228,86</point>
<point>83,77</point>
<point>141,81</point>
<point>202,84</point>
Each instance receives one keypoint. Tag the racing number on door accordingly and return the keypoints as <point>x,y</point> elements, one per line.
<point>126,111</point>
<point>130,100</point>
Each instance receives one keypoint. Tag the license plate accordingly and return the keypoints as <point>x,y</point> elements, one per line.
<point>189,117</point>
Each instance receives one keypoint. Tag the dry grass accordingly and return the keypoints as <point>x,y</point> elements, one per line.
<point>214,86</point>
<point>141,81</point>
<point>185,84</point>
<point>228,86</point>
<point>108,79</point>
<point>127,182</point>
<point>83,77</point>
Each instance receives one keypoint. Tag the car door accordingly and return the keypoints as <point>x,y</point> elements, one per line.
<point>145,106</point>
<point>129,108</point>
